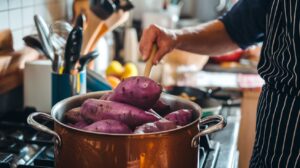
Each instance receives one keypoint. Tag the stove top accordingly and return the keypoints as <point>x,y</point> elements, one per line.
<point>23,147</point>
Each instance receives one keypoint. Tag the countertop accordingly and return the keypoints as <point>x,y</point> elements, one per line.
<point>228,138</point>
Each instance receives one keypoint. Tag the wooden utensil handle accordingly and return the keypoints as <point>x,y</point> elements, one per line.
<point>94,25</point>
<point>149,62</point>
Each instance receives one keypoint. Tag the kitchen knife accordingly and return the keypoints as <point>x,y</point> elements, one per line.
<point>72,50</point>
<point>102,8</point>
<point>125,5</point>
<point>80,21</point>
<point>43,32</point>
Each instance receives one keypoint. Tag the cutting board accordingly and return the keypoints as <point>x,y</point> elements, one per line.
<point>6,41</point>
<point>10,82</point>
<point>12,65</point>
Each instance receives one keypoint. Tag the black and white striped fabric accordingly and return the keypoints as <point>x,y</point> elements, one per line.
<point>277,24</point>
<point>277,142</point>
<point>280,61</point>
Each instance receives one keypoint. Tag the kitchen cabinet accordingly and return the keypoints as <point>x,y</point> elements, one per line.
<point>247,126</point>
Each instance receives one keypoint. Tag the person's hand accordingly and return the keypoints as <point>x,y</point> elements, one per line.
<point>164,39</point>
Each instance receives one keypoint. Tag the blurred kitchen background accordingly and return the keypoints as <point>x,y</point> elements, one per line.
<point>25,80</point>
<point>17,14</point>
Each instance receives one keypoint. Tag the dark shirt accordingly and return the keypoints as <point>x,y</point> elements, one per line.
<point>277,24</point>
<point>246,22</point>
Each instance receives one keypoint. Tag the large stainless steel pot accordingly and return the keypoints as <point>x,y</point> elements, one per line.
<point>169,149</point>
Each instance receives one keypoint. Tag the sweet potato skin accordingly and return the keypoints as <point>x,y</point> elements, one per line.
<point>180,117</point>
<point>161,108</point>
<point>164,125</point>
<point>161,125</point>
<point>106,96</point>
<point>73,116</point>
<point>108,126</point>
<point>79,125</point>
<point>95,110</point>
<point>139,91</point>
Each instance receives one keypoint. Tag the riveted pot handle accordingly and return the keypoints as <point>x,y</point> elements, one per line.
<point>221,123</point>
<point>40,127</point>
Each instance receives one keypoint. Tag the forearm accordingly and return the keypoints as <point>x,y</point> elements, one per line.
<point>209,39</point>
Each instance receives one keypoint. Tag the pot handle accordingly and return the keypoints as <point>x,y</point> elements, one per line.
<point>210,119</point>
<point>40,127</point>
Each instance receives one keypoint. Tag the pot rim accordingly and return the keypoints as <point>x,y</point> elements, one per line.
<point>93,94</point>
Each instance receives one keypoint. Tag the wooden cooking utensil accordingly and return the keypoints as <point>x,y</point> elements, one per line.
<point>149,62</point>
<point>93,28</point>
<point>94,20</point>
<point>115,20</point>
<point>79,7</point>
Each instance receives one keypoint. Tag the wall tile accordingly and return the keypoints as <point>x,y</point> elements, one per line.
<point>17,39</point>
<point>18,15</point>
<point>29,30</point>
<point>52,1</point>
<point>27,14</point>
<point>4,5</point>
<point>26,3</point>
<point>38,2</point>
<point>43,11</point>
<point>13,4</point>
<point>4,20</point>
<point>15,19</point>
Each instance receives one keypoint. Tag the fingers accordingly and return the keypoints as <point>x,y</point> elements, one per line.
<point>162,38</point>
<point>149,36</point>
<point>161,51</point>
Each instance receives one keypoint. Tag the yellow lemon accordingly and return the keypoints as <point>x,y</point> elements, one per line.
<point>115,68</point>
<point>130,69</point>
<point>113,81</point>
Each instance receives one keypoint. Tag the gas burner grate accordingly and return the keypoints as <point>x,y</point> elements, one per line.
<point>39,163</point>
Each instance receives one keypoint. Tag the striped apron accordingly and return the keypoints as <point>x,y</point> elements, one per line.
<point>277,142</point>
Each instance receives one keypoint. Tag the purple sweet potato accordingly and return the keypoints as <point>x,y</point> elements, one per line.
<point>106,96</point>
<point>161,125</point>
<point>146,128</point>
<point>164,124</point>
<point>161,107</point>
<point>139,91</point>
<point>180,117</point>
<point>108,126</point>
<point>80,124</point>
<point>73,116</point>
<point>95,110</point>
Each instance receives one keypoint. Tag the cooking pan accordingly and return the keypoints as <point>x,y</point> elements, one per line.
<point>204,99</point>
<point>77,148</point>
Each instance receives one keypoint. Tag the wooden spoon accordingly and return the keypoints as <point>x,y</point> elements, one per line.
<point>114,21</point>
<point>93,28</point>
<point>97,12</point>
<point>149,62</point>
